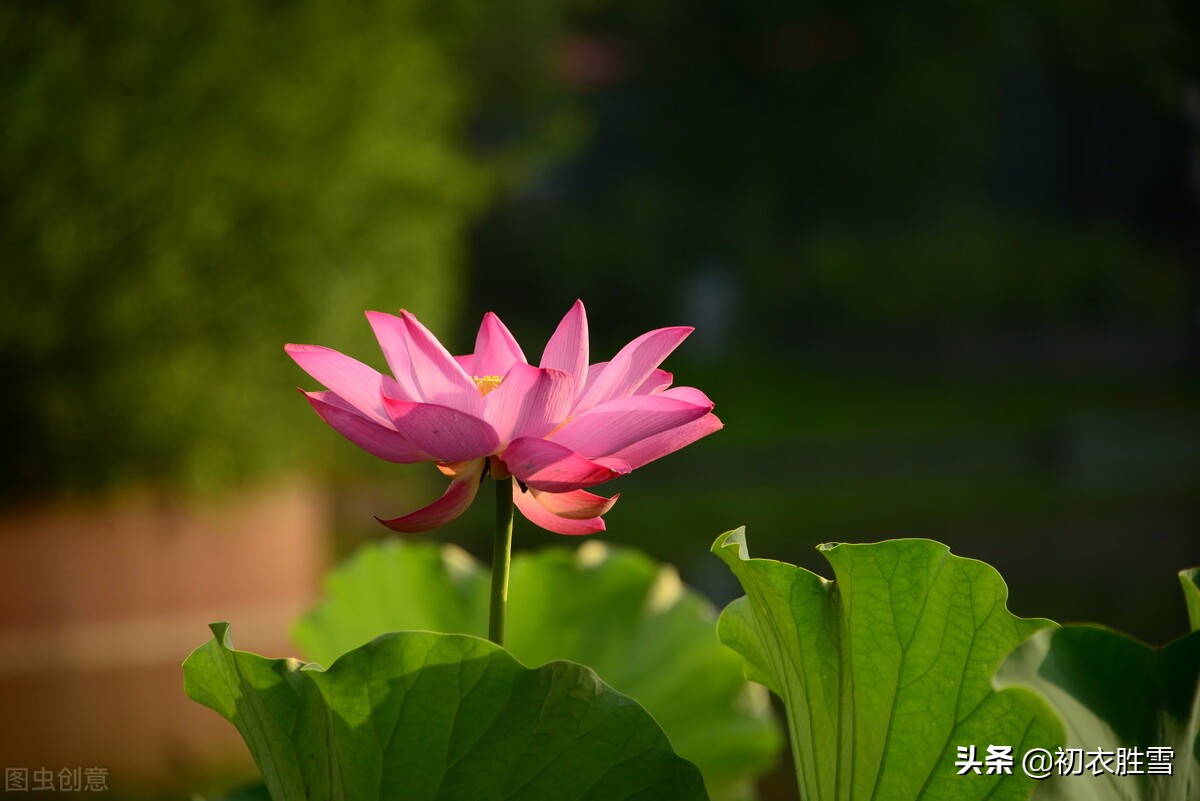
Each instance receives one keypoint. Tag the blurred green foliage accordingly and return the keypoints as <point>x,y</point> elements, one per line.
<point>189,186</point>
<point>875,169</point>
<point>942,260</point>
<point>999,269</point>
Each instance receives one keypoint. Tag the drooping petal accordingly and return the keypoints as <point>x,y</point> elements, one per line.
<point>392,335</point>
<point>530,402</point>
<point>353,381</point>
<point>577,505</point>
<point>567,349</point>
<point>659,445</point>
<point>436,374</point>
<point>374,438</point>
<point>541,516</point>
<point>454,502</point>
<point>552,467</point>
<point>617,424</point>
<point>495,348</point>
<point>632,365</point>
<point>446,433</point>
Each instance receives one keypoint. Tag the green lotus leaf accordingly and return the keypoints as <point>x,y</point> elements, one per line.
<point>885,670</point>
<point>615,610</point>
<point>1118,698</point>
<point>418,715</point>
<point>1190,579</point>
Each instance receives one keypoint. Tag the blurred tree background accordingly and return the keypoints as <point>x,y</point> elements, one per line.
<point>944,262</point>
<point>188,187</point>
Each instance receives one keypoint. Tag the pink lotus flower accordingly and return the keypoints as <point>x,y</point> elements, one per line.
<point>558,428</point>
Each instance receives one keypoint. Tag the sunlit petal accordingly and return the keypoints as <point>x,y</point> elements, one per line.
<point>620,423</point>
<point>552,467</point>
<point>658,381</point>
<point>529,402</point>
<point>392,336</point>
<point>567,349</point>
<point>436,374</point>
<point>659,445</point>
<point>632,366</point>
<point>374,438</point>
<point>353,381</point>
<point>495,348</point>
<point>448,434</point>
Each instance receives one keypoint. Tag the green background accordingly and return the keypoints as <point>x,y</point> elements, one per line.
<point>942,258</point>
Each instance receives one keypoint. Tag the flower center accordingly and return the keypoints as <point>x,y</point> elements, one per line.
<point>487,383</point>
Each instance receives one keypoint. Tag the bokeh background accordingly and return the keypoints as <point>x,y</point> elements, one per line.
<point>943,260</point>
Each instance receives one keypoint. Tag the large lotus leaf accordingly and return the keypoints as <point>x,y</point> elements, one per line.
<point>418,715</point>
<point>1118,698</point>
<point>615,610</point>
<point>1190,579</point>
<point>398,586</point>
<point>885,671</point>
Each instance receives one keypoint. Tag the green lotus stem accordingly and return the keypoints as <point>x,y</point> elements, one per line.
<point>501,557</point>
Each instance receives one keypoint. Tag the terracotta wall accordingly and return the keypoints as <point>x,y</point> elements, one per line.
<point>101,602</point>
